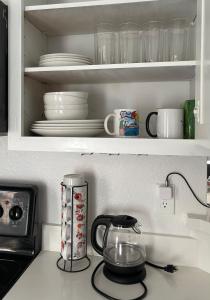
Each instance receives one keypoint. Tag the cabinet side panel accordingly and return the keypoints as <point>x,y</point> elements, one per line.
<point>203,76</point>
<point>3,68</point>
<point>35,45</point>
<point>15,66</point>
<point>206,78</point>
<point>33,103</point>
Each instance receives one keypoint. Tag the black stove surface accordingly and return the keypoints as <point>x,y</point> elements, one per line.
<point>20,232</point>
<point>11,268</point>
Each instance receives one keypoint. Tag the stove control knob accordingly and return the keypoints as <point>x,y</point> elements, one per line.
<point>15,213</point>
<point>1,211</point>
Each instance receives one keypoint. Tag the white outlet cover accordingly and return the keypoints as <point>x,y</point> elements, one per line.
<point>165,206</point>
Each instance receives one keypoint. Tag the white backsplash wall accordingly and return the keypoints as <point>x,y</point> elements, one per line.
<point>117,184</point>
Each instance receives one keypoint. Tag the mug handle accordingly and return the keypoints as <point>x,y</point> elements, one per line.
<point>106,124</point>
<point>147,124</point>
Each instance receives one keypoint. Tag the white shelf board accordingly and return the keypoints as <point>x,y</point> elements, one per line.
<point>82,17</point>
<point>167,71</point>
<point>106,145</point>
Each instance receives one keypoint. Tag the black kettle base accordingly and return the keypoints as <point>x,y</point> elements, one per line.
<point>125,279</point>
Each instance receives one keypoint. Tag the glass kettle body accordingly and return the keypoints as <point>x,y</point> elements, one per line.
<point>121,248</point>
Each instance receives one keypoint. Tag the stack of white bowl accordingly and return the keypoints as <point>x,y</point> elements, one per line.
<point>66,114</point>
<point>66,106</point>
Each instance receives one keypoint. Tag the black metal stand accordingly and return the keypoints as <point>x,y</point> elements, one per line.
<point>73,265</point>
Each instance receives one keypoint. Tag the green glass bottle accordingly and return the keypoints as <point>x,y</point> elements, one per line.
<point>189,119</point>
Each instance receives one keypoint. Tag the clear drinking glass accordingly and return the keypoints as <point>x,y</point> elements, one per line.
<point>141,46</point>
<point>152,41</point>
<point>191,41</point>
<point>164,43</point>
<point>106,44</point>
<point>129,43</point>
<point>178,40</point>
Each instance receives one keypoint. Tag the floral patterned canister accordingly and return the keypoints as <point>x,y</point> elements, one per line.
<point>74,217</point>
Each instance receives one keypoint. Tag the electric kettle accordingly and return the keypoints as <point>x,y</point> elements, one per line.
<point>124,255</point>
<point>122,249</point>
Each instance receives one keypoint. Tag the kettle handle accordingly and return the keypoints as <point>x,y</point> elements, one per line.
<point>100,220</point>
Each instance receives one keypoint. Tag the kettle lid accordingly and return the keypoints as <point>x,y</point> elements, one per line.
<point>123,220</point>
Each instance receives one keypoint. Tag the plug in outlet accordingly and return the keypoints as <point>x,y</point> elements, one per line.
<point>166,201</point>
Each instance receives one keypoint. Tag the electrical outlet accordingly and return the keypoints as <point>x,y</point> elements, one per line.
<point>165,202</point>
<point>166,206</point>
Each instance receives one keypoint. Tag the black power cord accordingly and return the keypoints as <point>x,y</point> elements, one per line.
<point>168,268</point>
<point>187,183</point>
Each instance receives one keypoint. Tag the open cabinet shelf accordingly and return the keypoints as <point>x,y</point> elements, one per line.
<point>69,27</point>
<point>82,17</point>
<point>159,71</point>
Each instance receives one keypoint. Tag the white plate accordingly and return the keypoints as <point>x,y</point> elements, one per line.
<point>66,127</point>
<point>58,126</point>
<point>79,132</point>
<point>63,55</point>
<point>66,58</point>
<point>94,121</point>
<point>62,63</point>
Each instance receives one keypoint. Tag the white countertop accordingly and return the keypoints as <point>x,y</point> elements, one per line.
<point>42,280</point>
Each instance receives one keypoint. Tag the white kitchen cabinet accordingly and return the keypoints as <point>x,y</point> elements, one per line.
<point>40,27</point>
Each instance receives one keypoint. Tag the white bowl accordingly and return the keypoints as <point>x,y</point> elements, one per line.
<point>64,99</point>
<point>68,93</point>
<point>60,114</point>
<point>65,106</point>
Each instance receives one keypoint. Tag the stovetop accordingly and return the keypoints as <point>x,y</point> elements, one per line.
<point>11,268</point>
<point>20,232</point>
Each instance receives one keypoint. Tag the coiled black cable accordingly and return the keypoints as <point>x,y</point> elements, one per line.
<point>187,183</point>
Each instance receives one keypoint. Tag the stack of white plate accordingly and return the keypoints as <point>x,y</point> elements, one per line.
<point>73,128</point>
<point>63,59</point>
<point>66,105</point>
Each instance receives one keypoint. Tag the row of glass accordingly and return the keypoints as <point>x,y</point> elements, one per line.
<point>174,41</point>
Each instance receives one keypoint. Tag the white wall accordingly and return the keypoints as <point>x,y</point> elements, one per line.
<point>118,184</point>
